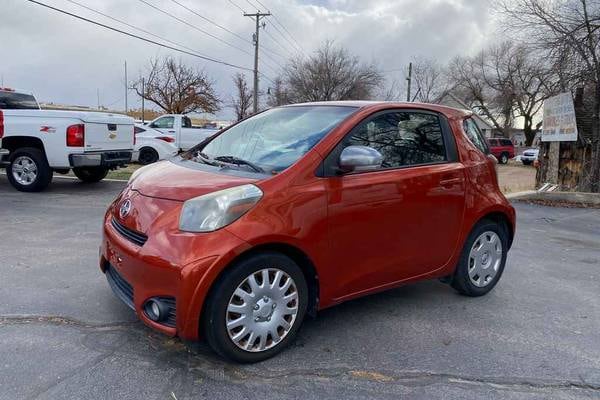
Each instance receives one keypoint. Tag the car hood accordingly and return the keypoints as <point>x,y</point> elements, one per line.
<point>182,180</point>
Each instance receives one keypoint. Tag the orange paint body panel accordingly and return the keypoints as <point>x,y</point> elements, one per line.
<point>362,232</point>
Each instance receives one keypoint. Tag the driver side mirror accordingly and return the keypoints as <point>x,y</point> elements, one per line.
<point>359,158</point>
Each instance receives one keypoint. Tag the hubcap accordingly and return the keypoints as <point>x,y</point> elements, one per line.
<point>485,258</point>
<point>262,310</point>
<point>24,170</point>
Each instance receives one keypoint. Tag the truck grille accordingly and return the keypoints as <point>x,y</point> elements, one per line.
<point>129,234</point>
<point>122,289</point>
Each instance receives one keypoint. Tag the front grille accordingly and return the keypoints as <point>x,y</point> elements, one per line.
<point>129,234</point>
<point>122,289</point>
<point>170,320</point>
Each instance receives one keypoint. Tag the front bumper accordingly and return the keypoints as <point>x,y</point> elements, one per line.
<point>169,263</point>
<point>110,159</point>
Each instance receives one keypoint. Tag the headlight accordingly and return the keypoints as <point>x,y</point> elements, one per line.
<point>218,209</point>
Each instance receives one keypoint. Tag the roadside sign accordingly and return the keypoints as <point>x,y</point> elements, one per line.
<point>559,119</point>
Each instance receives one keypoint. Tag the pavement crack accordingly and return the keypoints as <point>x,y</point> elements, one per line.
<point>57,320</point>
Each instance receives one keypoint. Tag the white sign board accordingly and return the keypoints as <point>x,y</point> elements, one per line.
<point>559,119</point>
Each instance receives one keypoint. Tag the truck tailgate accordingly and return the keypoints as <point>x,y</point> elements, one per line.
<point>108,136</point>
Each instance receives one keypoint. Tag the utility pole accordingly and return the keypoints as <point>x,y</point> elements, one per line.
<point>409,79</point>
<point>143,92</point>
<point>126,87</point>
<point>98,97</point>
<point>257,16</point>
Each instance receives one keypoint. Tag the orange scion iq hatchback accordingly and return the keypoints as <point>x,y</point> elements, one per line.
<point>302,207</point>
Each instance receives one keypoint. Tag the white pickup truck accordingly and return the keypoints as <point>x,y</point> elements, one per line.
<point>34,143</point>
<point>180,126</point>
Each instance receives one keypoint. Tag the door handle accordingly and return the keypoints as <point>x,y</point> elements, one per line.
<point>450,181</point>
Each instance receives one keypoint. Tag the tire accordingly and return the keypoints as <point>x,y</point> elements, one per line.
<point>503,158</point>
<point>148,156</point>
<point>526,162</point>
<point>28,170</point>
<point>477,274</point>
<point>90,174</point>
<point>258,312</point>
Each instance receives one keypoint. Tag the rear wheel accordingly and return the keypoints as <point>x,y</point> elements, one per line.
<point>90,174</point>
<point>527,162</point>
<point>482,259</point>
<point>148,156</point>
<point>28,170</point>
<point>256,308</point>
<point>503,158</point>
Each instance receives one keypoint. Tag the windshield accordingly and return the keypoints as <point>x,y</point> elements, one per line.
<point>17,101</point>
<point>275,139</point>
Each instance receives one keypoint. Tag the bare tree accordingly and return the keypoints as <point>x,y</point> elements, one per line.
<point>277,94</point>
<point>241,102</point>
<point>332,73</point>
<point>565,32</point>
<point>177,88</point>
<point>429,80</point>
<point>474,83</point>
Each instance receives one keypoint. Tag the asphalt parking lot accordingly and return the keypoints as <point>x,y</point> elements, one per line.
<point>64,335</point>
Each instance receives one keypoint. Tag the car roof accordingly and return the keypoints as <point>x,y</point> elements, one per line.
<point>449,112</point>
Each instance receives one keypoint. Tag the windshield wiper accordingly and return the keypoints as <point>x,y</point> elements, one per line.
<point>239,161</point>
<point>206,159</point>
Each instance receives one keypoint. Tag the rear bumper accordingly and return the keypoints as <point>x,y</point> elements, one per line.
<point>110,159</point>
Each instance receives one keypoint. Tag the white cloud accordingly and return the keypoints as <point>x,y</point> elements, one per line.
<point>65,60</point>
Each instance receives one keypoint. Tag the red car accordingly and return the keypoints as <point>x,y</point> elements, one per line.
<point>300,208</point>
<point>502,149</point>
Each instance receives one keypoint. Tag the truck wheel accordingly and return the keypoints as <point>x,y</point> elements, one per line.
<point>503,158</point>
<point>28,170</point>
<point>147,156</point>
<point>90,174</point>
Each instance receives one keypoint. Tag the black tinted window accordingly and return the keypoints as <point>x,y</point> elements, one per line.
<point>475,136</point>
<point>186,122</point>
<point>17,101</point>
<point>402,137</point>
<point>506,142</point>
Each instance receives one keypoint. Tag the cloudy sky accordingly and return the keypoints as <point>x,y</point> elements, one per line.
<point>65,60</point>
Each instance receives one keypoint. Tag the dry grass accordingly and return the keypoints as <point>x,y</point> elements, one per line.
<point>516,177</point>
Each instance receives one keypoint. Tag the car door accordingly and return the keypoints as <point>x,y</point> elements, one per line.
<point>402,220</point>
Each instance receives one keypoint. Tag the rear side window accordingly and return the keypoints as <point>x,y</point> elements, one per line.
<point>506,142</point>
<point>137,129</point>
<point>404,138</point>
<point>17,101</point>
<point>475,136</point>
<point>164,123</point>
<point>186,122</point>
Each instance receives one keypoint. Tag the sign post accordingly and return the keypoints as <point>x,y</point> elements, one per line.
<point>559,125</point>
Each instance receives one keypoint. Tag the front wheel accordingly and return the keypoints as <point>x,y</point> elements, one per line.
<point>482,259</point>
<point>90,174</point>
<point>28,170</point>
<point>503,158</point>
<point>256,308</point>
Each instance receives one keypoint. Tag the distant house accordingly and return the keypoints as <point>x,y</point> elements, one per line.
<point>451,100</point>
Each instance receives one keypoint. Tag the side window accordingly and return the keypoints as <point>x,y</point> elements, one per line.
<point>403,138</point>
<point>506,142</point>
<point>164,123</point>
<point>474,135</point>
<point>186,122</point>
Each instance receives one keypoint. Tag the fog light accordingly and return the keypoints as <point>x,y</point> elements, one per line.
<point>156,310</point>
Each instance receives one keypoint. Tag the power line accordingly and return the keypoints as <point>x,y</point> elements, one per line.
<point>227,30</point>
<point>139,37</point>
<point>275,40</point>
<point>194,27</point>
<point>235,5</point>
<point>275,19</point>
<point>131,26</point>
